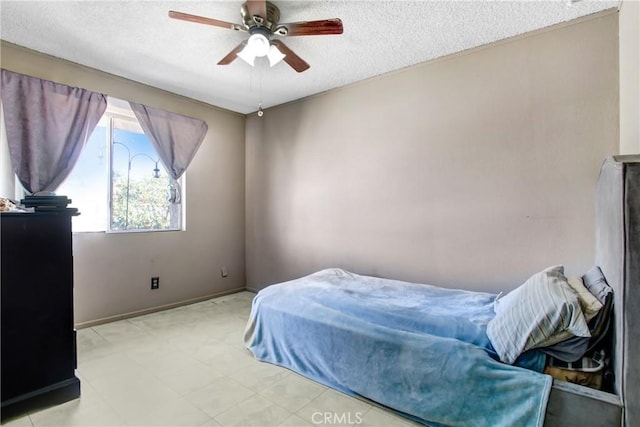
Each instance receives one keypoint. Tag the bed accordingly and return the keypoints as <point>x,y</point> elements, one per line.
<point>438,356</point>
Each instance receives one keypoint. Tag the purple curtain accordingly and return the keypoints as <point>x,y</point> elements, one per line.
<point>176,138</point>
<point>47,125</point>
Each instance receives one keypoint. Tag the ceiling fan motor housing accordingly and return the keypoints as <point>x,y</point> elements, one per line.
<point>260,30</point>
<point>272,18</point>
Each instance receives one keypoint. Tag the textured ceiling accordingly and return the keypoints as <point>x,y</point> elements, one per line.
<point>137,40</point>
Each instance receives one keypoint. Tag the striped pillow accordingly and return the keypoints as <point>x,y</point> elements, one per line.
<point>589,303</point>
<point>543,311</point>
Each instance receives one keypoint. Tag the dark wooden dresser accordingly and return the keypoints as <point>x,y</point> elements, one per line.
<point>38,347</point>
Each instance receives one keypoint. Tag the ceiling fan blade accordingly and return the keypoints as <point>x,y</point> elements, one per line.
<point>291,58</point>
<point>231,56</point>
<point>310,28</point>
<point>202,20</point>
<point>257,8</point>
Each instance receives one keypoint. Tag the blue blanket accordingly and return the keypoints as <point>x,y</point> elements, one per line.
<point>418,349</point>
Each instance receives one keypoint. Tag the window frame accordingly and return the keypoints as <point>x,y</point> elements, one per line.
<point>125,114</point>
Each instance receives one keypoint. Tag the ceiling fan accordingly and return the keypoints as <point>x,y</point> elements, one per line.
<point>260,18</point>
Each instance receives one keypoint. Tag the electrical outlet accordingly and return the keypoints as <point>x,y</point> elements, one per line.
<point>155,282</point>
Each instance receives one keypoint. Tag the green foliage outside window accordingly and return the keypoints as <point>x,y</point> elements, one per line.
<point>148,206</point>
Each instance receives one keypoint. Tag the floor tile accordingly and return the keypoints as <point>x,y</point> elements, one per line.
<point>162,363</point>
<point>295,421</point>
<point>107,366</point>
<point>210,423</point>
<point>212,349</point>
<point>231,360</point>
<point>76,413</point>
<point>175,413</point>
<point>156,322</point>
<point>219,396</point>
<point>119,331</point>
<point>258,376</point>
<point>293,392</point>
<point>255,411</point>
<point>190,378</point>
<point>118,382</point>
<point>92,345</point>
<point>88,394</point>
<point>87,339</point>
<point>133,398</point>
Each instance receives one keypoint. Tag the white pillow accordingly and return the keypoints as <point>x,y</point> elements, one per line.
<point>588,303</point>
<point>597,285</point>
<point>541,312</point>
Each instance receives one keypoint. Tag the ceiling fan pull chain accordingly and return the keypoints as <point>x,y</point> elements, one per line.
<point>260,112</point>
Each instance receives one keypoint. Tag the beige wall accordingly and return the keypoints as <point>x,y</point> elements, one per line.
<point>471,171</point>
<point>112,271</point>
<point>630,77</point>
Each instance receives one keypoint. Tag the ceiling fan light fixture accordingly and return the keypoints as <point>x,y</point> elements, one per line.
<point>275,55</point>
<point>247,55</point>
<point>259,44</point>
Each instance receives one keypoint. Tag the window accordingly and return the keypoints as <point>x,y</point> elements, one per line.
<point>119,183</point>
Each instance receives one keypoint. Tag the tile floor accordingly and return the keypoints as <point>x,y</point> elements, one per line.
<point>188,367</point>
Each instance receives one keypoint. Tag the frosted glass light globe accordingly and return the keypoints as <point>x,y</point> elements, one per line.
<point>259,44</point>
